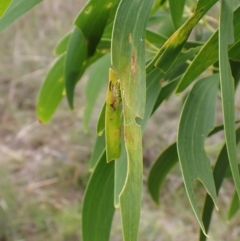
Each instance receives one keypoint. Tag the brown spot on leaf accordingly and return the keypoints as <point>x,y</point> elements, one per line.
<point>133,64</point>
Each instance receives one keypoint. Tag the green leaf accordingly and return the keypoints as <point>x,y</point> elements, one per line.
<point>75,57</point>
<point>208,55</point>
<point>16,10</point>
<point>101,121</point>
<point>234,206</point>
<point>193,129</point>
<point>121,171</point>
<point>97,79</point>
<point>98,209</point>
<point>4,6</point>
<point>51,91</point>
<point>97,152</point>
<point>227,87</point>
<point>234,52</point>
<point>155,38</point>
<point>176,8</point>
<point>92,21</point>
<point>128,60</point>
<point>173,46</point>
<point>62,44</point>
<point>221,166</point>
<point>160,169</point>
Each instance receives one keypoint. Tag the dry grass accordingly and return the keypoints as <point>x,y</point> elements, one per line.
<point>43,168</point>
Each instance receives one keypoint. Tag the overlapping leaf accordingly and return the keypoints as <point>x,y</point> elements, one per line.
<point>129,64</point>
<point>173,46</point>
<point>209,55</point>
<point>197,120</point>
<point>15,10</point>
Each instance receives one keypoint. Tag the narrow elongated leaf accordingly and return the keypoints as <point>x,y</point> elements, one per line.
<point>209,55</point>
<point>160,169</point>
<point>221,166</point>
<point>113,117</point>
<point>234,206</point>
<point>16,10</point>
<point>98,209</point>
<point>153,89</point>
<point>62,44</point>
<point>234,52</point>
<point>92,21</point>
<point>101,121</point>
<point>193,129</point>
<point>173,46</point>
<point>226,37</point>
<point>4,6</point>
<point>97,152</point>
<point>121,170</point>
<point>97,79</point>
<point>75,57</point>
<point>128,61</point>
<point>51,92</point>
<point>176,8</point>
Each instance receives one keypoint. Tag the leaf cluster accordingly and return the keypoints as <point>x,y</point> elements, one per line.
<point>148,50</point>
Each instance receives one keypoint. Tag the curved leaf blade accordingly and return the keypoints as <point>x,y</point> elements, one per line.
<point>221,166</point>
<point>226,37</point>
<point>234,206</point>
<point>93,19</point>
<point>160,169</point>
<point>193,129</point>
<point>51,92</point>
<point>62,44</point>
<point>75,57</point>
<point>97,152</point>
<point>16,10</point>
<point>98,209</point>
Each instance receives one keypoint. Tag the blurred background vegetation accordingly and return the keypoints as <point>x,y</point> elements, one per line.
<point>44,168</point>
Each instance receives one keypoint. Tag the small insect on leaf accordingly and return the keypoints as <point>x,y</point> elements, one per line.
<point>113,117</point>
